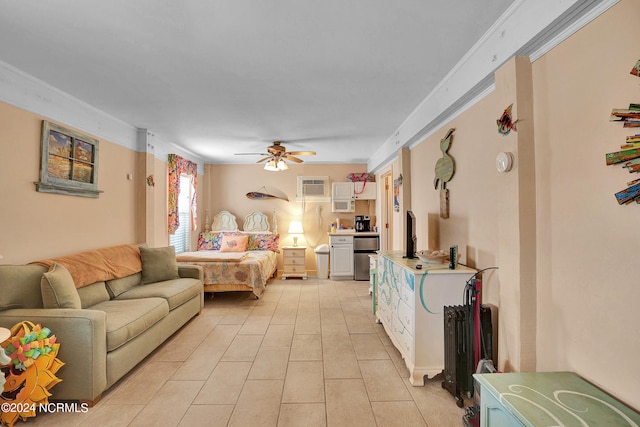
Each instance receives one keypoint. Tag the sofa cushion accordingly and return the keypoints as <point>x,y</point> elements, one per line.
<point>158,264</point>
<point>176,291</point>
<point>118,286</point>
<point>93,294</point>
<point>126,319</point>
<point>58,289</point>
<point>20,286</point>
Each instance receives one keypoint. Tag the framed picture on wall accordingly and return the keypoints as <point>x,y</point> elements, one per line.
<point>69,162</point>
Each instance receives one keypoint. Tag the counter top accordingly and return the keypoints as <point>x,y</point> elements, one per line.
<point>351,232</point>
<point>427,268</point>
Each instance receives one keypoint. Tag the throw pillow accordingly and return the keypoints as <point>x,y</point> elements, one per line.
<point>58,289</point>
<point>263,242</point>
<point>211,241</point>
<point>234,243</point>
<point>158,264</point>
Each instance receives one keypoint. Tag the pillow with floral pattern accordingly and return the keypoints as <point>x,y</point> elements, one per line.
<point>264,242</point>
<point>211,241</point>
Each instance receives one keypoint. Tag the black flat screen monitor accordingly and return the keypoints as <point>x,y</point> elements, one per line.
<point>411,239</point>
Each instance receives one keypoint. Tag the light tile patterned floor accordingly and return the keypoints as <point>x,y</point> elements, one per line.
<point>308,353</point>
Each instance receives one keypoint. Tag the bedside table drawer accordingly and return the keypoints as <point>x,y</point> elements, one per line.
<point>295,253</point>
<point>293,269</point>
<point>294,261</point>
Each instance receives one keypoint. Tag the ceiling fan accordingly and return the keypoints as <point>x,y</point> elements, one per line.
<point>277,154</point>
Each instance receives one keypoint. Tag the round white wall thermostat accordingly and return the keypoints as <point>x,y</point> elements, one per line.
<point>504,162</point>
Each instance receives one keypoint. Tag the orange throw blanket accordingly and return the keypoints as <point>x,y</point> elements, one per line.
<point>99,265</point>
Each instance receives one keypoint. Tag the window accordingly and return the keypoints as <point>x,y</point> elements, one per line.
<point>182,176</point>
<point>181,239</point>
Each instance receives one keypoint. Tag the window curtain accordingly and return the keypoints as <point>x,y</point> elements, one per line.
<point>181,166</point>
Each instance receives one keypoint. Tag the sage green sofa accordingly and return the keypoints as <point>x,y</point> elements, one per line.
<point>113,325</point>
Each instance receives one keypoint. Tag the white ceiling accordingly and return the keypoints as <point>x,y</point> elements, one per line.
<point>228,76</point>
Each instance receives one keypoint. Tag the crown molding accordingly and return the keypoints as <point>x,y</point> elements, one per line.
<point>26,92</point>
<point>472,78</point>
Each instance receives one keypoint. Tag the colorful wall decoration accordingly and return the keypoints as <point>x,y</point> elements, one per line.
<point>629,156</point>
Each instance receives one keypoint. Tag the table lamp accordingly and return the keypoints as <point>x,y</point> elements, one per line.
<point>295,228</point>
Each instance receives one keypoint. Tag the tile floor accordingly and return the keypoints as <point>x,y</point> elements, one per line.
<point>308,353</point>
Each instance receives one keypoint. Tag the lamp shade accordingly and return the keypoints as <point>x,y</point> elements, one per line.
<point>282,165</point>
<point>276,165</point>
<point>271,166</point>
<point>295,227</point>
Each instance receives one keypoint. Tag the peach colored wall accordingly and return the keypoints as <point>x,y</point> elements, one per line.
<point>160,204</point>
<point>473,201</point>
<point>227,186</point>
<point>588,245</point>
<point>35,225</point>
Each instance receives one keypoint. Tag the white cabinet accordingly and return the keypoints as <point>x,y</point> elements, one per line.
<point>341,257</point>
<point>344,194</point>
<point>360,190</point>
<point>342,190</point>
<point>365,190</point>
<point>410,307</point>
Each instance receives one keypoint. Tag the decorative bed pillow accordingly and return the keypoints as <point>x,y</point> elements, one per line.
<point>58,289</point>
<point>211,241</point>
<point>158,264</point>
<point>237,243</point>
<point>264,242</point>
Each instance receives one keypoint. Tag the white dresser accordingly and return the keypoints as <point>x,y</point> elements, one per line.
<point>410,305</point>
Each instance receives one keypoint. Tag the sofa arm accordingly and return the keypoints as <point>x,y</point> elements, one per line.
<point>82,336</point>
<point>191,271</point>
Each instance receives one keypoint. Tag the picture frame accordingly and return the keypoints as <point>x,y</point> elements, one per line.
<point>69,162</point>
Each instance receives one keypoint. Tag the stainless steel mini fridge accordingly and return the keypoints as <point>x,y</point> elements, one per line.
<point>363,246</point>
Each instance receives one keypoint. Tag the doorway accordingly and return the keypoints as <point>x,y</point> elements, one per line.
<point>386,229</point>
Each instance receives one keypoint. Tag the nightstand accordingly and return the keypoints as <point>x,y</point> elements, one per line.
<point>294,261</point>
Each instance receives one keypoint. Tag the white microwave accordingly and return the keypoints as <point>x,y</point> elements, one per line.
<point>343,206</point>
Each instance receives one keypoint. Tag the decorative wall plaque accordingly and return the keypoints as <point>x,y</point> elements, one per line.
<point>69,162</point>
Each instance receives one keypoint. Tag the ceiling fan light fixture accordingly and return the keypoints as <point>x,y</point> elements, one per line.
<point>282,165</point>
<point>271,166</point>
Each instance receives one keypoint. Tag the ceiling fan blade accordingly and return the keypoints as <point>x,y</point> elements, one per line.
<point>263,159</point>
<point>294,159</point>
<point>251,154</point>
<point>302,153</point>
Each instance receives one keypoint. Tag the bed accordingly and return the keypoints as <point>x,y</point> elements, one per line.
<point>233,259</point>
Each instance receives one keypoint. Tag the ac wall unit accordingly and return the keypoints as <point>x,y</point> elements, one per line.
<point>313,188</point>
